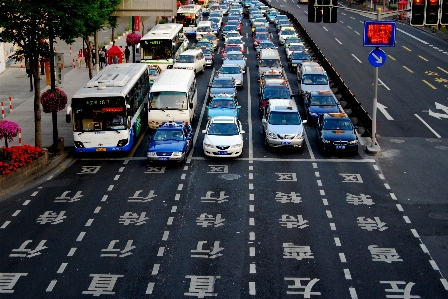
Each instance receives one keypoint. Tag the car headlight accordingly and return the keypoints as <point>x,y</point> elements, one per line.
<point>151,154</point>
<point>326,141</point>
<point>294,64</point>
<point>314,114</point>
<point>271,135</point>
<point>177,154</point>
<point>238,81</point>
<point>353,142</point>
<point>208,145</point>
<point>189,68</point>
<point>237,145</point>
<point>298,136</point>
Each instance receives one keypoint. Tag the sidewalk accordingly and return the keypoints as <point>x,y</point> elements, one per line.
<point>15,83</point>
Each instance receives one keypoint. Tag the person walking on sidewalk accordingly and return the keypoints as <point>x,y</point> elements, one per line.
<point>101,57</point>
<point>80,58</point>
<point>127,53</point>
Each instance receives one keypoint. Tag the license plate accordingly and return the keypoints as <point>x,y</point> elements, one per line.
<point>100,149</point>
<point>164,159</point>
<point>340,146</point>
<point>286,142</point>
<point>222,152</point>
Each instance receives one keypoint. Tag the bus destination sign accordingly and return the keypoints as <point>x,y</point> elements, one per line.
<point>379,34</point>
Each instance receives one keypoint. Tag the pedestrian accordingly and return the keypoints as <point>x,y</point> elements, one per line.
<point>93,56</point>
<point>101,57</point>
<point>115,60</point>
<point>86,57</point>
<point>80,58</point>
<point>42,66</point>
<point>105,55</point>
<point>127,53</point>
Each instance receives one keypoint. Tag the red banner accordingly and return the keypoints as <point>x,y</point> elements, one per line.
<point>136,23</point>
<point>117,109</point>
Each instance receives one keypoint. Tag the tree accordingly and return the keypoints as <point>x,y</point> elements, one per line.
<point>32,25</point>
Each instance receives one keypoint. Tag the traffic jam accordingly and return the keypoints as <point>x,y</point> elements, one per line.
<point>280,115</point>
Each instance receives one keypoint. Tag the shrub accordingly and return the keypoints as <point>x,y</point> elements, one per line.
<point>14,157</point>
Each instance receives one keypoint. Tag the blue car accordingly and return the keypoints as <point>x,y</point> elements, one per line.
<point>318,103</point>
<point>171,142</point>
<point>223,106</point>
<point>224,86</point>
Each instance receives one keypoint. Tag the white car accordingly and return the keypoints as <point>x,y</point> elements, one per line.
<point>285,33</point>
<point>223,137</point>
<point>295,47</point>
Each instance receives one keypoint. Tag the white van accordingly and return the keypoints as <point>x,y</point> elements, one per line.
<point>312,77</point>
<point>191,59</point>
<point>173,97</point>
<point>203,27</point>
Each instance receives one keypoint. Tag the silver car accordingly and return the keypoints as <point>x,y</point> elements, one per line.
<point>234,71</point>
<point>235,57</point>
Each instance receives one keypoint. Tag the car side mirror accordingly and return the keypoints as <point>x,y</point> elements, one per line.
<point>264,120</point>
<point>292,96</point>
<point>204,131</point>
<point>304,121</point>
<point>190,105</point>
<point>242,132</point>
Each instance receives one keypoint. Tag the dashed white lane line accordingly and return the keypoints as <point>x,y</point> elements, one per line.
<point>62,268</point>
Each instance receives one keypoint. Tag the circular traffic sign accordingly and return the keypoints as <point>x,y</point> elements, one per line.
<point>377,57</point>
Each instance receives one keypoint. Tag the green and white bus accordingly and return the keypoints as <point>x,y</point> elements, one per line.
<point>189,16</point>
<point>108,112</point>
<point>163,44</point>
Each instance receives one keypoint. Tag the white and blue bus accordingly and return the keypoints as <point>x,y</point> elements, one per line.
<point>189,16</point>
<point>163,44</point>
<point>108,112</point>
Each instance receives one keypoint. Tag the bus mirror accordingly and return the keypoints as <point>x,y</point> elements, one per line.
<point>129,111</point>
<point>68,118</point>
<point>190,105</point>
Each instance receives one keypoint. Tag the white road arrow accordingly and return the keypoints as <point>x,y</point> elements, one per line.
<point>439,115</point>
<point>382,108</point>
<point>378,59</point>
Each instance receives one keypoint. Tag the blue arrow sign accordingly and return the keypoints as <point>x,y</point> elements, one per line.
<point>377,57</point>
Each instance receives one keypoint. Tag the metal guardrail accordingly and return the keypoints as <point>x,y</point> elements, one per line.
<point>356,112</point>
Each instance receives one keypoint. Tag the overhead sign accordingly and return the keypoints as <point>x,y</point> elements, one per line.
<point>377,57</point>
<point>379,34</point>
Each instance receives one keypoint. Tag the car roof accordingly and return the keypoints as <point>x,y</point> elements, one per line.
<point>335,115</point>
<point>167,125</point>
<point>223,119</point>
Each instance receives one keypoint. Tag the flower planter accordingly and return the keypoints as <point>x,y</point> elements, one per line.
<point>23,173</point>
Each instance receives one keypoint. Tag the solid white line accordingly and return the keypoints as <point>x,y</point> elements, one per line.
<point>51,285</point>
<point>356,58</point>
<point>431,129</point>
<point>382,83</point>
<point>252,290</point>
<point>420,40</point>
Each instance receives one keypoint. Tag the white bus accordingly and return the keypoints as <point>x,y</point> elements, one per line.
<point>108,112</point>
<point>163,44</point>
<point>173,97</point>
<point>189,16</point>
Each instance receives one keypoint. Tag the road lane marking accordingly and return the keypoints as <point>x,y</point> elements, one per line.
<point>104,197</point>
<point>391,57</point>
<point>62,268</point>
<point>332,226</point>
<point>329,215</point>
<point>424,248</point>
<point>252,290</point>
<point>155,269</point>
<point>356,58</point>
<point>414,233</point>
<point>26,202</point>
<point>150,288</point>
<point>423,58</point>
<point>434,265</point>
<point>353,293</point>
<point>406,219</point>
<point>429,84</point>
<point>161,251</point>
<point>325,202</point>
<point>407,49</point>
<point>165,235</point>
<point>51,285</point>
<point>338,41</point>
<point>399,207</point>
<point>252,269</point>
<point>445,71</point>
<point>16,213</point>
<point>392,195</point>
<point>5,224</point>
<point>251,251</point>
<point>357,33</point>
<point>347,274</point>
<point>408,69</point>
<point>81,236</point>
<point>382,83</point>
<point>71,252</point>
<point>426,124</point>
<point>89,222</point>
<point>337,241</point>
<point>342,257</point>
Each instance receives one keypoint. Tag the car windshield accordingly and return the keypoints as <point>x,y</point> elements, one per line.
<point>229,28</point>
<point>207,52</point>
<point>230,70</point>
<point>287,32</point>
<point>270,63</point>
<point>168,100</point>
<point>161,135</point>
<point>209,37</point>
<point>266,46</point>
<point>284,118</point>
<point>324,101</point>
<point>223,129</point>
<point>302,56</point>
<point>186,59</point>
<point>315,79</point>
<point>236,41</point>
<point>203,29</point>
<point>337,124</point>
<point>275,93</point>
<point>290,40</point>
<point>220,83</point>
<point>233,34</point>
<point>262,36</point>
<point>296,48</point>
<point>153,72</point>
<point>235,56</point>
<point>222,103</point>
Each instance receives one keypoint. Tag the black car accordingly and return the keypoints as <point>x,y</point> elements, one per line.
<point>296,58</point>
<point>336,133</point>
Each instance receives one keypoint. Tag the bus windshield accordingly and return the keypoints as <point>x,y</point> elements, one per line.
<point>187,19</point>
<point>156,49</point>
<point>99,119</point>
<point>168,100</point>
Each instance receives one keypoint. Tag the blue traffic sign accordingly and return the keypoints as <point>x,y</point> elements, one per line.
<point>377,57</point>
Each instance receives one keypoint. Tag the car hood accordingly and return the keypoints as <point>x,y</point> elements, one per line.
<point>234,76</point>
<point>312,87</point>
<point>224,140</point>
<point>286,129</point>
<point>323,109</point>
<point>166,146</point>
<point>214,112</point>
<point>239,62</point>
<point>335,135</point>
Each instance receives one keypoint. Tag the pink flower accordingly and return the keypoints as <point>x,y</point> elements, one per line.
<point>8,130</point>
<point>133,39</point>
<point>53,100</point>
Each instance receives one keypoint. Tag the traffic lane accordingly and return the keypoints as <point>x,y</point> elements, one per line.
<point>293,241</point>
<point>130,232</point>
<point>49,223</point>
<point>363,204</point>
<point>209,231</point>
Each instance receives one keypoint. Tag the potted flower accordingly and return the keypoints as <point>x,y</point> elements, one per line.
<point>54,100</point>
<point>8,130</point>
